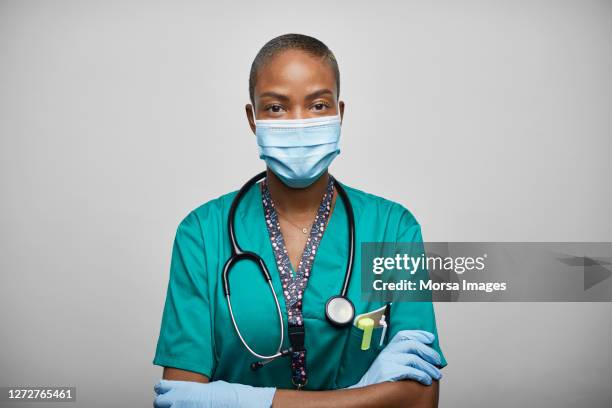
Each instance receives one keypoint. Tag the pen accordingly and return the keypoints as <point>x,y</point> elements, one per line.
<point>385,319</point>
<point>383,323</point>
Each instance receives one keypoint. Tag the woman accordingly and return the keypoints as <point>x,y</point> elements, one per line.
<point>294,220</point>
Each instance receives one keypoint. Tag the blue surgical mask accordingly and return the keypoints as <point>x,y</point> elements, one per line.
<point>298,151</point>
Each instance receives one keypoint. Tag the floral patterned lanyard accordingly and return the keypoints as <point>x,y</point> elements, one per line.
<point>293,286</point>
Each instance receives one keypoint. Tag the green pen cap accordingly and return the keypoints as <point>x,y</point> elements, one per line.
<point>367,325</point>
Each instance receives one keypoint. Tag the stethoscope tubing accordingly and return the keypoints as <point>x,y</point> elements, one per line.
<point>282,329</point>
<point>351,233</point>
<point>238,254</point>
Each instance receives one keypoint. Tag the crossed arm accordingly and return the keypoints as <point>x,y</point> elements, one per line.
<point>404,394</point>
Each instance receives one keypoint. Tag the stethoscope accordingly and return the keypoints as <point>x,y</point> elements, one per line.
<point>339,310</point>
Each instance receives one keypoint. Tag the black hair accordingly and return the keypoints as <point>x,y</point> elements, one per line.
<point>286,42</point>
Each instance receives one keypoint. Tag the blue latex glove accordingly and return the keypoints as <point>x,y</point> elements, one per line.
<point>218,394</point>
<point>406,357</point>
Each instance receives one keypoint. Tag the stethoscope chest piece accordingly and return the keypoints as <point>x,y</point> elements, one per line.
<point>339,311</point>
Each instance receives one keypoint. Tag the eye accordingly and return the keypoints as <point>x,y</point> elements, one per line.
<point>320,106</point>
<point>274,108</point>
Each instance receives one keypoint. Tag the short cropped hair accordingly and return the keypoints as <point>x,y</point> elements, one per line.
<point>286,42</point>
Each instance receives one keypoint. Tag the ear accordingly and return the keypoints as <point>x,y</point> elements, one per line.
<point>341,106</point>
<point>250,113</point>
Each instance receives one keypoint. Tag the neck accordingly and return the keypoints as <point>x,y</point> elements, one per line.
<point>296,201</point>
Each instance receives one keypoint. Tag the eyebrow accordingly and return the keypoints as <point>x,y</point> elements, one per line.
<point>282,97</point>
<point>274,95</point>
<point>318,93</point>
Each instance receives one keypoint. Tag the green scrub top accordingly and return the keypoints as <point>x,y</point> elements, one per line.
<point>196,331</point>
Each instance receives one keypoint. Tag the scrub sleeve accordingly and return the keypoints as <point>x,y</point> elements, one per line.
<point>416,315</point>
<point>185,338</point>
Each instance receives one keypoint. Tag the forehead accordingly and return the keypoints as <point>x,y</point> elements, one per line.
<point>295,71</point>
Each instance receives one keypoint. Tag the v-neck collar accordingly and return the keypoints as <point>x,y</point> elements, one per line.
<point>251,215</point>
<point>252,234</point>
<point>317,230</point>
